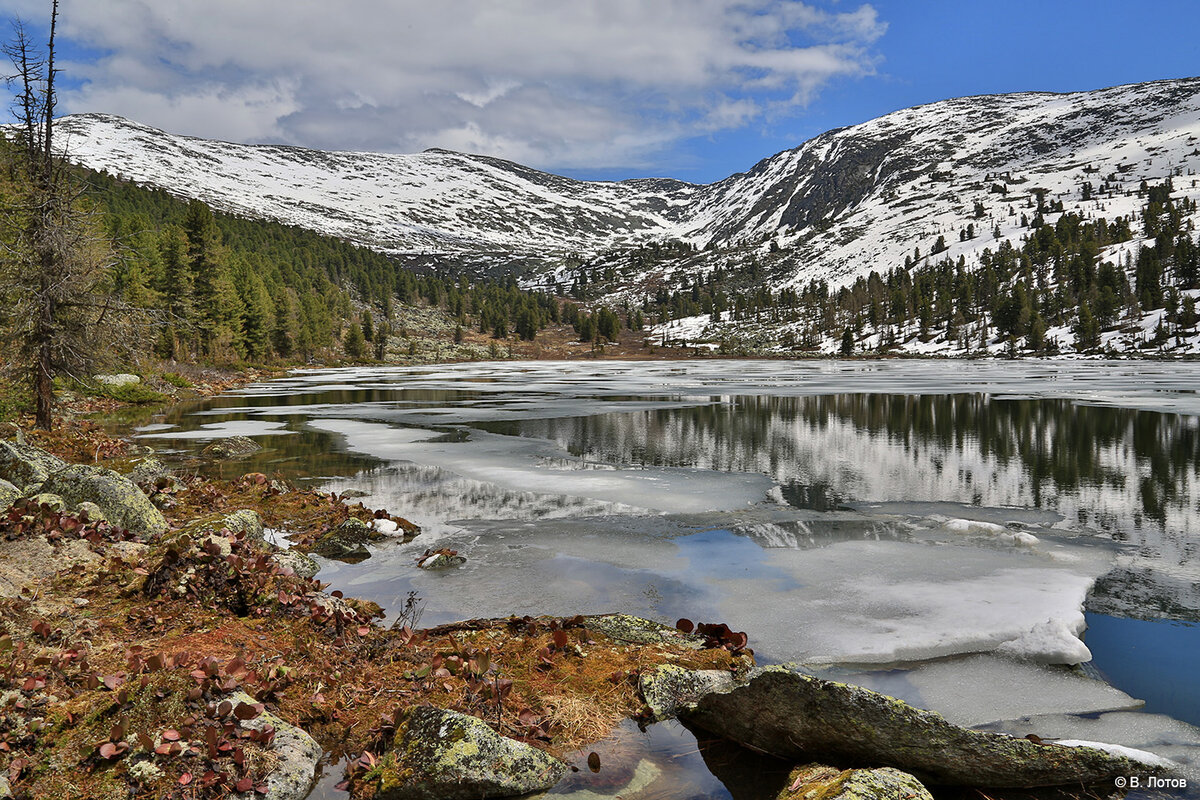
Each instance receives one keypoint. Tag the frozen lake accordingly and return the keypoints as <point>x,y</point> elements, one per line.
<point>948,533</point>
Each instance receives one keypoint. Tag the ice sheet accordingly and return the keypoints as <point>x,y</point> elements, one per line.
<point>531,465</point>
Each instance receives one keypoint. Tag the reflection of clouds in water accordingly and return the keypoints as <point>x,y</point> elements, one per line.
<point>520,463</point>
<point>217,430</point>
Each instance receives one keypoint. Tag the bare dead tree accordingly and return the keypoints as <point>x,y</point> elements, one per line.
<point>56,263</point>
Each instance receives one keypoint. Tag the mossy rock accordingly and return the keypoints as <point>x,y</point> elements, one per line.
<point>122,502</point>
<point>818,782</point>
<point>445,755</point>
<point>346,542</point>
<point>233,447</point>
<point>795,716</point>
<point>27,467</point>
<point>53,501</point>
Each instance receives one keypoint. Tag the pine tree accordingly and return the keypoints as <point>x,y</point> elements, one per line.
<point>355,345</point>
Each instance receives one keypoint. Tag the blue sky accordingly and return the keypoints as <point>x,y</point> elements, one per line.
<point>936,49</point>
<point>694,89</point>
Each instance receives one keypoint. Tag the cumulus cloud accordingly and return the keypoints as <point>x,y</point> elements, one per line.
<point>552,83</point>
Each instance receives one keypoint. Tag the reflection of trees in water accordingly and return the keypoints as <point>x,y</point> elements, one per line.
<point>876,446</point>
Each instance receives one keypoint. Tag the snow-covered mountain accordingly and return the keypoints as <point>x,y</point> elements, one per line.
<point>846,202</point>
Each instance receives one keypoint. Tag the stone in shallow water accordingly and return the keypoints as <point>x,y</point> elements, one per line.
<point>231,447</point>
<point>346,542</point>
<point>795,716</point>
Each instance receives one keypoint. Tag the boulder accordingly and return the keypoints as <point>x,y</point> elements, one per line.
<point>297,562</point>
<point>120,379</point>
<point>346,542</point>
<point>817,782</point>
<point>232,447</point>
<point>445,755</point>
<point>795,716</point>
<point>295,752</point>
<point>8,494</point>
<point>27,467</point>
<point>122,502</point>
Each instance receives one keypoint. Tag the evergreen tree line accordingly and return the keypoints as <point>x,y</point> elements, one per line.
<point>232,288</point>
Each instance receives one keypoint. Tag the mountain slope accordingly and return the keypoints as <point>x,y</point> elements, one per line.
<point>844,203</point>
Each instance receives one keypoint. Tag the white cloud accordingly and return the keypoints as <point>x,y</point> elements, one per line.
<point>552,83</point>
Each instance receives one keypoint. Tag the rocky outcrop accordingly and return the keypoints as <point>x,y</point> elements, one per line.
<point>445,755</point>
<point>818,782</point>
<point>795,716</point>
<point>27,467</point>
<point>123,503</point>
<point>295,752</point>
<point>233,447</point>
<point>346,542</point>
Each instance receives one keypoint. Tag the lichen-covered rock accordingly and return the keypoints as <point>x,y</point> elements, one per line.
<point>5,788</point>
<point>346,542</point>
<point>53,501</point>
<point>122,502</point>
<point>818,782</point>
<point>232,447</point>
<point>8,494</point>
<point>94,512</point>
<point>297,562</point>
<point>635,630</point>
<point>296,753</point>
<point>669,688</point>
<point>795,716</point>
<point>148,470</point>
<point>245,521</point>
<point>27,467</point>
<point>444,755</point>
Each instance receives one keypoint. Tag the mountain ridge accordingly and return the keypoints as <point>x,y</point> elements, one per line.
<point>846,201</point>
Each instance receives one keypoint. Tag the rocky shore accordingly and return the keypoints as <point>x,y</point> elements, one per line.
<point>157,640</point>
